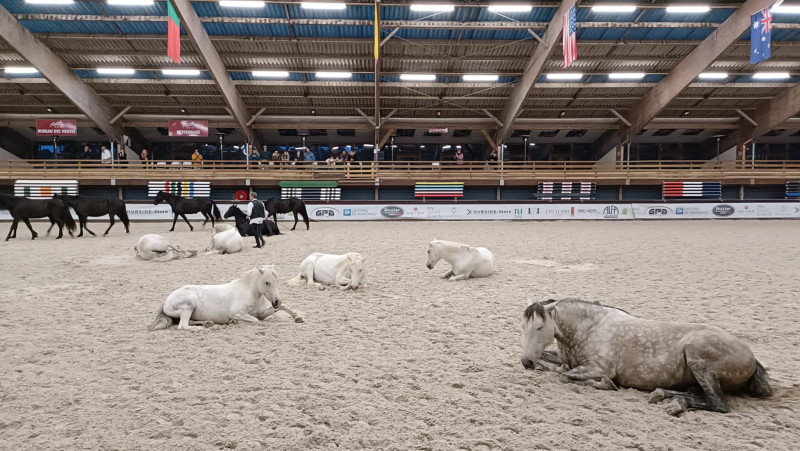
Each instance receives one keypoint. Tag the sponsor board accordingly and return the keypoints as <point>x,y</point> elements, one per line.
<point>57,127</point>
<point>461,212</point>
<point>188,128</point>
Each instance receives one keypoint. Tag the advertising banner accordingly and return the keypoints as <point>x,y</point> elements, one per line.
<point>188,128</point>
<point>57,127</point>
<point>717,210</point>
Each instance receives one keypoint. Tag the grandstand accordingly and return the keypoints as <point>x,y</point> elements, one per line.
<point>654,96</point>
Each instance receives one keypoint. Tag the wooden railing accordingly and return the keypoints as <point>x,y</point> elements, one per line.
<point>601,172</point>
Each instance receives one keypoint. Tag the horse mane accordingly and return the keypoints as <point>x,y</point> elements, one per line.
<point>452,246</point>
<point>538,307</point>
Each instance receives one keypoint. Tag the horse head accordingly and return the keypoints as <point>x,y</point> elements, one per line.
<point>356,270</point>
<point>161,195</point>
<point>231,212</point>
<point>538,330</point>
<point>268,284</point>
<point>434,253</point>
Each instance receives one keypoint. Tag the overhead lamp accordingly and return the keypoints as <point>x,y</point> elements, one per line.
<point>512,8</point>
<point>626,75</point>
<point>322,5</point>
<point>713,76</point>
<point>271,73</point>
<point>131,2</point>
<point>564,76</point>
<point>21,70</point>
<point>426,7</point>
<point>613,8</point>
<point>690,9</point>
<point>786,9</point>
<point>115,71</point>
<point>368,145</point>
<point>417,77</point>
<point>49,110</point>
<point>181,72</point>
<point>445,147</point>
<point>49,2</point>
<point>481,77</point>
<point>241,3</point>
<point>334,74</point>
<point>771,75</point>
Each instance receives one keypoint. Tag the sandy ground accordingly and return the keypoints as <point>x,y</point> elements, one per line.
<point>409,362</point>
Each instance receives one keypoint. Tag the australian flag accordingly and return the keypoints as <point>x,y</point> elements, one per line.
<point>760,36</point>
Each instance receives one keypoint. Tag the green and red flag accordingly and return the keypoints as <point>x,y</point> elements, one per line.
<point>173,33</point>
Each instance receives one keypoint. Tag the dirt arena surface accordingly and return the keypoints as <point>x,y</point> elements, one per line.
<point>408,362</point>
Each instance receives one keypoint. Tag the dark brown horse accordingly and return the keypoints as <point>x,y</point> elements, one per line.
<point>22,208</point>
<point>181,206</point>
<point>294,205</point>
<point>86,206</point>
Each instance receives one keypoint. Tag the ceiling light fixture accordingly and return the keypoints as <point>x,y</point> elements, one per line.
<point>564,76</point>
<point>425,7</point>
<point>626,75</point>
<point>49,2</point>
<point>417,77</point>
<point>115,71</point>
<point>271,73</point>
<point>713,76</point>
<point>771,75</point>
<point>334,74</point>
<point>786,9</point>
<point>689,9</point>
<point>613,8</point>
<point>322,5</point>
<point>481,77</point>
<point>518,8</point>
<point>183,72</point>
<point>21,70</point>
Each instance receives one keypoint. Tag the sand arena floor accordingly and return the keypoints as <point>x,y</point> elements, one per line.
<point>409,362</point>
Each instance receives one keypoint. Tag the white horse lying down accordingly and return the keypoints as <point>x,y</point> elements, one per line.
<point>346,271</point>
<point>250,298</point>
<point>218,228</point>
<point>159,249</point>
<point>225,242</point>
<point>466,261</point>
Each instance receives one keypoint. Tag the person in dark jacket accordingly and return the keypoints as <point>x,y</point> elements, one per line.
<point>256,214</point>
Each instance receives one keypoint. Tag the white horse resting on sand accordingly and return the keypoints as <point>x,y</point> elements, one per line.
<point>225,242</point>
<point>605,347</point>
<point>159,249</point>
<point>218,228</point>
<point>250,298</point>
<point>466,261</point>
<point>345,271</point>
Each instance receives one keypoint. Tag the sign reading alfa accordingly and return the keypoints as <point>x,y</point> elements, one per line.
<point>437,130</point>
<point>56,127</point>
<point>188,128</point>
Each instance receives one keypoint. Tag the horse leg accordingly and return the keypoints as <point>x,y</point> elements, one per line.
<point>447,275</point>
<point>462,276</point>
<point>13,229</point>
<point>187,222</point>
<point>294,213</point>
<point>246,317</point>
<point>174,220</point>
<point>60,229</point>
<point>184,308</point>
<point>296,317</point>
<point>111,217</point>
<point>27,223</point>
<point>52,223</point>
<point>712,397</point>
<point>205,218</point>
<point>592,375</point>
<point>84,226</point>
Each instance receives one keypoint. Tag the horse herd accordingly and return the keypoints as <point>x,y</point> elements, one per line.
<point>690,366</point>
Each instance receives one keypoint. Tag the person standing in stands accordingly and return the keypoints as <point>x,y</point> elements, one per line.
<point>197,159</point>
<point>309,155</point>
<point>459,156</point>
<point>145,157</point>
<point>255,214</point>
<point>86,154</point>
<point>105,155</point>
<point>121,157</point>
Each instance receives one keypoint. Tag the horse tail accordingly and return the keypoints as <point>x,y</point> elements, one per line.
<point>123,215</point>
<point>758,384</point>
<point>217,214</point>
<point>162,320</point>
<point>296,281</point>
<point>302,210</point>
<point>66,216</point>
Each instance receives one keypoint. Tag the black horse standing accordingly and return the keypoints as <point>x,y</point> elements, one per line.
<point>86,206</point>
<point>22,208</point>
<point>268,228</point>
<point>181,206</point>
<point>277,205</point>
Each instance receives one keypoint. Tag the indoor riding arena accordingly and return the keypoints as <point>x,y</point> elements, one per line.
<point>486,225</point>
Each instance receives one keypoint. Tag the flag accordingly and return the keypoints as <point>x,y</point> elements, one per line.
<point>377,28</point>
<point>173,33</point>
<point>570,42</point>
<point>760,36</point>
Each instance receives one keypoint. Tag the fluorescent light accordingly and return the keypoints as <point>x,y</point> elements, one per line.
<point>786,9</point>
<point>334,74</point>
<point>626,75</point>
<point>425,7</point>
<point>519,8</point>
<point>713,75</point>
<point>271,73</point>
<point>21,70</point>
<point>613,8</point>
<point>49,2</point>
<point>131,2</point>
<point>184,72</point>
<point>564,76</point>
<point>446,147</point>
<point>481,77</point>
<point>115,71</point>
<point>417,77</point>
<point>369,145</point>
<point>241,3</point>
<point>771,75</point>
<point>696,9</point>
<point>322,5</point>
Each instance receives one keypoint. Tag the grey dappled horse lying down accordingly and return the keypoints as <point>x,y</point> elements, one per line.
<point>250,298</point>
<point>152,247</point>
<point>605,347</point>
<point>466,261</point>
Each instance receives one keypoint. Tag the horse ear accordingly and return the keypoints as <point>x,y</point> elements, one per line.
<point>528,301</point>
<point>549,307</point>
<point>260,270</point>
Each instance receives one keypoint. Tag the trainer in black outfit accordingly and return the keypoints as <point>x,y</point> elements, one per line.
<point>256,214</point>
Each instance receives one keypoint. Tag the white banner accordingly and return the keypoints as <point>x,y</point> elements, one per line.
<point>452,212</point>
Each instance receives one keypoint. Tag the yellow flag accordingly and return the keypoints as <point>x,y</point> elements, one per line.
<point>377,27</point>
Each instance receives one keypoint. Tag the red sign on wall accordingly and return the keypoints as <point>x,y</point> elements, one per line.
<point>56,127</point>
<point>187,128</point>
<point>437,130</point>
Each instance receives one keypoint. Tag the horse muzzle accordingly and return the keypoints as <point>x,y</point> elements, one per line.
<point>528,364</point>
<point>276,303</point>
<point>429,266</point>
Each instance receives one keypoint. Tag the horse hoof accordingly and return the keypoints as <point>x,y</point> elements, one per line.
<point>676,407</point>
<point>657,396</point>
<point>299,320</point>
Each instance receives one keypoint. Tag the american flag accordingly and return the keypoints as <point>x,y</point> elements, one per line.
<point>570,41</point>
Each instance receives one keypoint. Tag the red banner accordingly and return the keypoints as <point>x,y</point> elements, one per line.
<point>56,127</point>
<point>188,128</point>
<point>437,130</point>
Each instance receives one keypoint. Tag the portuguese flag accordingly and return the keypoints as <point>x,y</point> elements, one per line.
<point>173,33</point>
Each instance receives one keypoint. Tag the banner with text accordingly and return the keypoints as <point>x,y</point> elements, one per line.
<point>59,127</point>
<point>187,128</point>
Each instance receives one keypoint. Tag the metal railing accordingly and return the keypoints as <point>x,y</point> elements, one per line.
<point>655,171</point>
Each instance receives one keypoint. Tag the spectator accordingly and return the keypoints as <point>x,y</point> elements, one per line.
<point>256,214</point>
<point>343,156</point>
<point>145,157</point>
<point>105,155</point>
<point>285,155</point>
<point>352,155</point>
<point>493,156</point>
<point>308,155</point>
<point>122,157</point>
<point>459,156</point>
<point>265,155</point>
<point>276,156</point>
<point>254,155</point>
<point>86,154</point>
<point>197,159</point>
